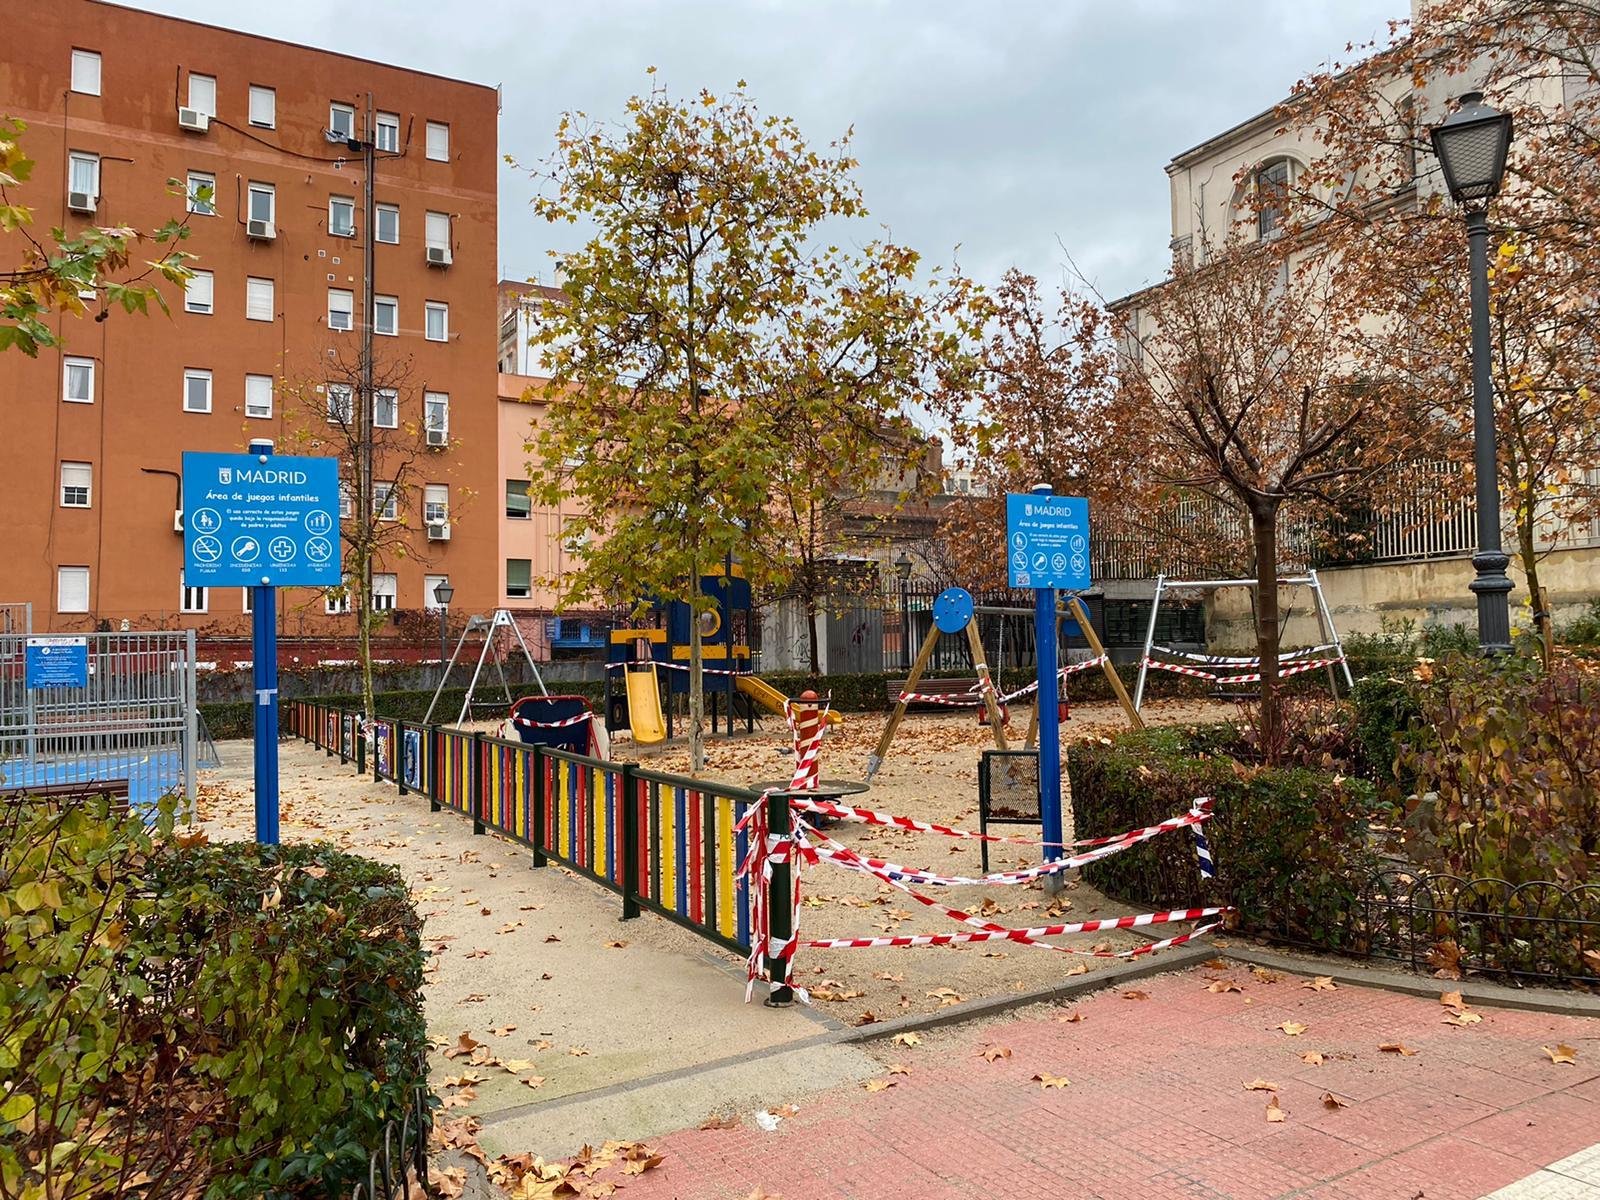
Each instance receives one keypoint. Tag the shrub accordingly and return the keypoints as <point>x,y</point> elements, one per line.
<point>1290,844</point>
<point>238,1018</point>
<point>1506,757</point>
<point>1391,650</point>
<point>1385,709</point>
<point>1584,629</point>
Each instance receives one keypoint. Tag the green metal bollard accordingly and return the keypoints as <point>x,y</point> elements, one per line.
<point>780,927</point>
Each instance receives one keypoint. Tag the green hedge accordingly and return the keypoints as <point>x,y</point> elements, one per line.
<point>1386,708</point>
<point>237,1018</point>
<point>1289,844</point>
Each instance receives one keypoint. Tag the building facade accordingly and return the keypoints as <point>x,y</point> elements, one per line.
<point>263,143</point>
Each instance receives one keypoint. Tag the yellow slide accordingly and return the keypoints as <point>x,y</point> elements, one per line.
<point>772,699</point>
<point>644,705</point>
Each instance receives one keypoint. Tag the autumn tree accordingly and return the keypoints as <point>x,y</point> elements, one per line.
<point>1248,388</point>
<point>866,344</point>
<point>92,271</point>
<point>374,425</point>
<point>1030,413</point>
<point>702,212</point>
<point>1375,196</point>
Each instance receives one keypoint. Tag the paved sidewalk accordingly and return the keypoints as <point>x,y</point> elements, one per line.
<point>1156,1105</point>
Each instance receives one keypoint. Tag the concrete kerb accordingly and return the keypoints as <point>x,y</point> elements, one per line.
<point>1474,991</point>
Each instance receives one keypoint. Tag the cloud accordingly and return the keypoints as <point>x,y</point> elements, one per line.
<point>1009,129</point>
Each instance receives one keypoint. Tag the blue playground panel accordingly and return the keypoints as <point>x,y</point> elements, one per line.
<point>150,774</point>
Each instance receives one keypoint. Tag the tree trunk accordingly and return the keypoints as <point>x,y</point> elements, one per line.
<point>811,629</point>
<point>697,691</point>
<point>1264,535</point>
<point>362,606</point>
<point>1528,553</point>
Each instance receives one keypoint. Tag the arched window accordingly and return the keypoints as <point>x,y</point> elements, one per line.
<point>1272,179</point>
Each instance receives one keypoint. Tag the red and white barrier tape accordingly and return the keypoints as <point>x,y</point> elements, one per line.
<point>577,720</point>
<point>950,939</point>
<point>1284,671</point>
<point>974,694</point>
<point>867,816</point>
<point>672,666</point>
<point>1226,660</point>
<point>1070,669</point>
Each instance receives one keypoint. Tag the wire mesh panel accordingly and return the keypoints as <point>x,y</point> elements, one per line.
<point>134,718</point>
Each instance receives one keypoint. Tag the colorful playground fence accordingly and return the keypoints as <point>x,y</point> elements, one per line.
<point>661,842</point>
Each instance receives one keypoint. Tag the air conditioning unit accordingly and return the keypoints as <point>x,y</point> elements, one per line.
<point>81,202</point>
<point>438,256</point>
<point>438,531</point>
<point>438,437</point>
<point>177,521</point>
<point>194,120</point>
<point>264,231</point>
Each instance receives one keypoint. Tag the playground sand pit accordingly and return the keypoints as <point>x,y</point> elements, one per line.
<point>930,773</point>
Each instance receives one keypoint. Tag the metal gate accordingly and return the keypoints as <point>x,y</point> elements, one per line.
<point>135,720</point>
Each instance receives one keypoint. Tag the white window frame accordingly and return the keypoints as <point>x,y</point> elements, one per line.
<point>437,141</point>
<point>260,298</point>
<point>69,364</point>
<point>389,509</point>
<point>341,405</point>
<point>440,402</point>
<point>385,591</point>
<point>429,582</point>
<point>200,293</point>
<point>75,573</point>
<point>337,108</point>
<point>348,205</point>
<point>387,122</point>
<point>263,111</point>
<point>382,398</point>
<point>436,504</point>
<point>86,72</point>
<point>391,305</point>
<point>193,599</point>
<point>197,375</point>
<point>430,234</point>
<point>89,160</point>
<point>249,604</point>
<point>256,188</point>
<point>347,500</point>
<point>208,83</point>
<point>257,383</point>
<point>346,311</point>
<point>336,601</point>
<point>431,309</point>
<point>198,180</point>
<point>382,211</point>
<point>84,484</point>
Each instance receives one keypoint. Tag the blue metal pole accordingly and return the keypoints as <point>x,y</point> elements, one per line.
<point>1044,634</point>
<point>264,650</point>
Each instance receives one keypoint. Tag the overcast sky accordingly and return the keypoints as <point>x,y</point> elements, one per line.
<point>998,127</point>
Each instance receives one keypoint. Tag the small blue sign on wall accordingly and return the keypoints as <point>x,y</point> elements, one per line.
<point>1047,541</point>
<point>56,662</point>
<point>254,520</point>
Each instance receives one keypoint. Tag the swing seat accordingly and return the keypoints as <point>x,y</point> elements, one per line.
<point>534,720</point>
<point>1005,715</point>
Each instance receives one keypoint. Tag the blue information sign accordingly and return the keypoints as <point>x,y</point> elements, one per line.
<point>56,662</point>
<point>1047,541</point>
<point>256,520</point>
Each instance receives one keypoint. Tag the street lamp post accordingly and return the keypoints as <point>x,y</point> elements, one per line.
<point>443,593</point>
<point>1471,147</point>
<point>902,568</point>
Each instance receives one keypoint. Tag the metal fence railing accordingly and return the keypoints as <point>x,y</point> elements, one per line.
<point>661,842</point>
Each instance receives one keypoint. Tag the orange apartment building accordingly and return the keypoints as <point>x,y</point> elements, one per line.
<point>118,102</point>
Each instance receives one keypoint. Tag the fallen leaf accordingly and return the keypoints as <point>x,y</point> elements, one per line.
<point>1071,1018</point>
<point>1216,964</point>
<point>1219,986</point>
<point>944,996</point>
<point>1397,1048</point>
<point>533,1081</point>
<point>1313,1058</point>
<point>785,1110</point>
<point>638,1166</point>
<point>907,1039</point>
<point>760,1194</point>
<point>1078,969</point>
<point>1322,983</point>
<point>899,1069</point>
<point>465,1044</point>
<point>1136,995</point>
<point>509,927</point>
<point>486,912</point>
<point>1329,1100</point>
<point>616,945</point>
<point>878,1085</point>
<point>1562,1054</point>
<point>1292,1028</point>
<point>1264,975</point>
<point>476,954</point>
<point>1462,1018</point>
<point>1445,957</point>
<point>1452,1000</point>
<point>458,1099</point>
<point>503,1030</point>
<point>1261,1085</point>
<point>577,1051</point>
<point>888,978</point>
<point>1274,1113</point>
<point>1047,1081</point>
<point>550,937</point>
<point>992,1053</point>
<point>716,1122</point>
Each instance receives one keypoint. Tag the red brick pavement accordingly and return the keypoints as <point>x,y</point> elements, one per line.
<point>1156,1106</point>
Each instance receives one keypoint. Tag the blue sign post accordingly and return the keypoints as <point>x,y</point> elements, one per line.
<point>1047,546</point>
<point>261,522</point>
